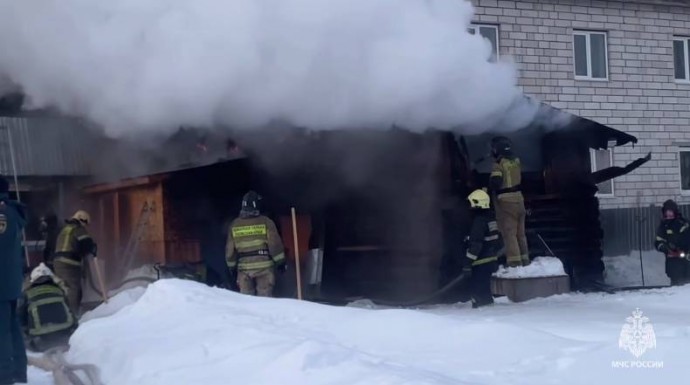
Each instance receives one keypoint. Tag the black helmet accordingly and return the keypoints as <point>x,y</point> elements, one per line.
<point>250,201</point>
<point>500,146</point>
<point>670,205</point>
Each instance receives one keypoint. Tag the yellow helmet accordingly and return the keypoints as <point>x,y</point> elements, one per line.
<point>82,216</point>
<point>479,199</point>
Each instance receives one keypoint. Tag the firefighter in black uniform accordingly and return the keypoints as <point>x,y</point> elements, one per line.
<point>673,239</point>
<point>45,315</point>
<point>483,246</point>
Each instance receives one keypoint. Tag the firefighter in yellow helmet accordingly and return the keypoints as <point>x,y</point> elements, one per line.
<point>254,249</point>
<point>483,245</point>
<point>73,246</point>
<point>506,177</point>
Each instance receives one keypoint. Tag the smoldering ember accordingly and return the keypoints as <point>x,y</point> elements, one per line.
<point>350,191</point>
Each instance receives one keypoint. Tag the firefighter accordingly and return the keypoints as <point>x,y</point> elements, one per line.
<point>254,249</point>
<point>12,352</point>
<point>509,203</point>
<point>483,246</point>
<point>672,239</point>
<point>45,315</point>
<point>73,246</point>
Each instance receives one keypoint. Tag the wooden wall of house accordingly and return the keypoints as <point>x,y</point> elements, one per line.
<point>116,216</point>
<point>182,245</point>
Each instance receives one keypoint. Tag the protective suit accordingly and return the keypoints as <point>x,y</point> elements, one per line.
<point>254,249</point>
<point>483,245</point>
<point>46,317</point>
<point>506,177</point>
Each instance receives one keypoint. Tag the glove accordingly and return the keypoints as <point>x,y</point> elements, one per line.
<point>282,268</point>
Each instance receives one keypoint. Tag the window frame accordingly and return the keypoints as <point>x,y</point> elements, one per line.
<point>686,51</point>
<point>588,51</point>
<point>593,168</point>
<point>477,26</point>
<point>682,149</point>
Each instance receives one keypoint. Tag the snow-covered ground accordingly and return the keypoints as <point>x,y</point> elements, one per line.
<point>183,333</point>
<point>39,377</point>
<point>626,270</point>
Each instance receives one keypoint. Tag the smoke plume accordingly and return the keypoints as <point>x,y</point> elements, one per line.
<point>150,65</point>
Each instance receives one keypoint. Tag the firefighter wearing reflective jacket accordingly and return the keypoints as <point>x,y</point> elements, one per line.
<point>73,246</point>
<point>483,246</point>
<point>254,249</point>
<point>506,177</point>
<point>46,318</point>
<point>673,239</point>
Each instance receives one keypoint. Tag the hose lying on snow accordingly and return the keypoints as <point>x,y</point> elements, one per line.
<point>53,360</point>
<point>142,279</point>
<point>460,279</point>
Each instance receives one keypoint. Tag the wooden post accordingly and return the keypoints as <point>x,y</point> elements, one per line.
<point>298,271</point>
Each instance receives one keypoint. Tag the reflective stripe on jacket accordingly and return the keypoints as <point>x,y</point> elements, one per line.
<point>68,241</point>
<point>47,310</point>
<point>506,177</point>
<point>673,235</point>
<point>484,240</point>
<point>254,244</point>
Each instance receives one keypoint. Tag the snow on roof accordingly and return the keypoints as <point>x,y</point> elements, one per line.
<point>540,267</point>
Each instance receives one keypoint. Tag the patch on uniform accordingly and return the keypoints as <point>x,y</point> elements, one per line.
<point>3,223</point>
<point>248,231</point>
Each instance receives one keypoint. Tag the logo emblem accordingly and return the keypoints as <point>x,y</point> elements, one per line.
<point>637,335</point>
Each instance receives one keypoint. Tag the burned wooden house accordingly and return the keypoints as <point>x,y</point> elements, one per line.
<point>385,208</point>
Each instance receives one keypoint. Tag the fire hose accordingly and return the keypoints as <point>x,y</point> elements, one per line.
<point>143,279</point>
<point>460,279</point>
<point>182,271</point>
<point>64,373</point>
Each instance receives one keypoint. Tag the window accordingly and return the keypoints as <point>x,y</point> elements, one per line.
<point>591,59</point>
<point>681,58</point>
<point>601,159</point>
<point>684,164</point>
<point>489,32</point>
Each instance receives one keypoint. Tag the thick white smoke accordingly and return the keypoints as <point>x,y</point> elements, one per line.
<point>157,64</point>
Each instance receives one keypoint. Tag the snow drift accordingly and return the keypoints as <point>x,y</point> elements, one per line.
<point>182,333</point>
<point>150,64</point>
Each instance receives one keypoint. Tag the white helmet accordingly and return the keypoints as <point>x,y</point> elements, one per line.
<point>82,216</point>
<point>40,271</point>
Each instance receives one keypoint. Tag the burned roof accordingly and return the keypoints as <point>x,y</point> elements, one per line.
<point>195,147</point>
